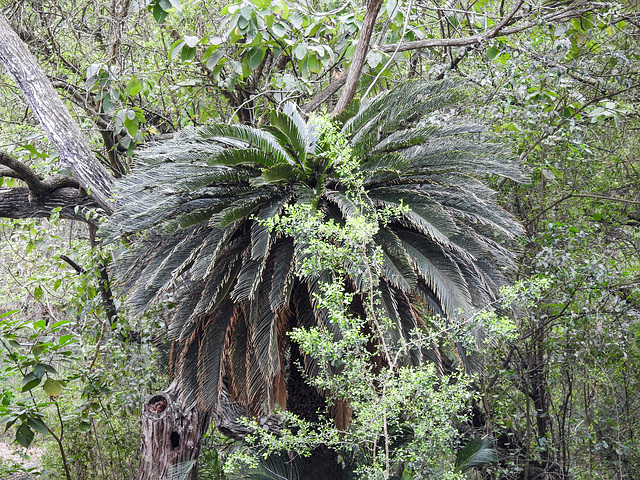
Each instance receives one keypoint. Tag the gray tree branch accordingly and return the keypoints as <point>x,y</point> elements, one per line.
<point>62,131</point>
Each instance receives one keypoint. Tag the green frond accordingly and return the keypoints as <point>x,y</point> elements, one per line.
<point>346,206</point>
<point>400,108</point>
<point>462,157</point>
<point>410,137</point>
<point>396,267</point>
<point>283,274</point>
<point>392,162</point>
<point>253,137</point>
<point>309,128</point>
<point>260,233</point>
<point>242,208</point>
<point>248,157</point>
<point>478,452</point>
<point>440,273</point>
<point>295,134</point>
<point>429,218</point>
<point>281,173</point>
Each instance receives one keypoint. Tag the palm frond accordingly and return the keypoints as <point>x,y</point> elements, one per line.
<point>294,132</point>
<point>253,137</point>
<point>478,452</point>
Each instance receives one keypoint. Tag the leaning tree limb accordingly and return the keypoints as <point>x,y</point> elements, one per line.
<point>55,119</point>
<point>359,56</point>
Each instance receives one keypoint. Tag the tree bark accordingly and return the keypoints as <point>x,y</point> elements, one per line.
<point>61,129</point>
<point>171,437</point>
<point>18,203</point>
<point>360,55</point>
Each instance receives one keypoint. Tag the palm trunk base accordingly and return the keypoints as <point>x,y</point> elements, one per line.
<point>171,437</point>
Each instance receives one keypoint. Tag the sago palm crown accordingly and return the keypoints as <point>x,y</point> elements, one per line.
<point>196,208</point>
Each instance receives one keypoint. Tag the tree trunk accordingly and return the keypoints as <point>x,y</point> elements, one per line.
<point>60,128</point>
<point>359,56</point>
<point>171,437</point>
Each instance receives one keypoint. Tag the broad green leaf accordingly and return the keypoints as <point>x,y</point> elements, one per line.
<point>213,59</point>
<point>52,387</point>
<point>314,64</point>
<point>176,48</point>
<point>279,30</point>
<point>24,435</point>
<point>159,13</point>
<point>492,52</point>
<point>300,51</point>
<point>37,424</point>
<point>29,381</point>
<point>131,126</point>
<point>188,54</point>
<point>133,87</point>
<point>256,54</point>
<point>39,370</point>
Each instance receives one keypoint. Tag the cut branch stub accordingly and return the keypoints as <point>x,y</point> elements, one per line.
<point>171,435</point>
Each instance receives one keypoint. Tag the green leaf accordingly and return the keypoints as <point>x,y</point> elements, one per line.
<point>133,87</point>
<point>300,51</point>
<point>213,58</point>
<point>282,172</point>
<point>159,14</point>
<point>39,370</point>
<point>10,312</point>
<point>131,126</point>
<point>477,453</point>
<point>256,54</point>
<point>176,48</point>
<point>279,30</point>
<point>314,64</point>
<point>24,435</point>
<point>66,339</point>
<point>492,52</point>
<point>188,54</point>
<point>37,292</point>
<point>84,427</point>
<point>52,387</point>
<point>37,424</point>
<point>29,381</point>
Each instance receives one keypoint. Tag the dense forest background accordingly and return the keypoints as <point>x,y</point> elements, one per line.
<point>554,82</point>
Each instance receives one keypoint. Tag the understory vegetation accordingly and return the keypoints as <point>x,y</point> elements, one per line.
<point>379,240</point>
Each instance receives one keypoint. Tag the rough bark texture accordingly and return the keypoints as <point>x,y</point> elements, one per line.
<point>18,203</point>
<point>359,56</point>
<point>62,131</point>
<point>171,436</point>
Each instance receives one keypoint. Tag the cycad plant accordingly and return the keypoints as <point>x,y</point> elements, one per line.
<point>196,210</point>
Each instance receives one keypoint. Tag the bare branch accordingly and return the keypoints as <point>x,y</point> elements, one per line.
<point>37,185</point>
<point>456,42</point>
